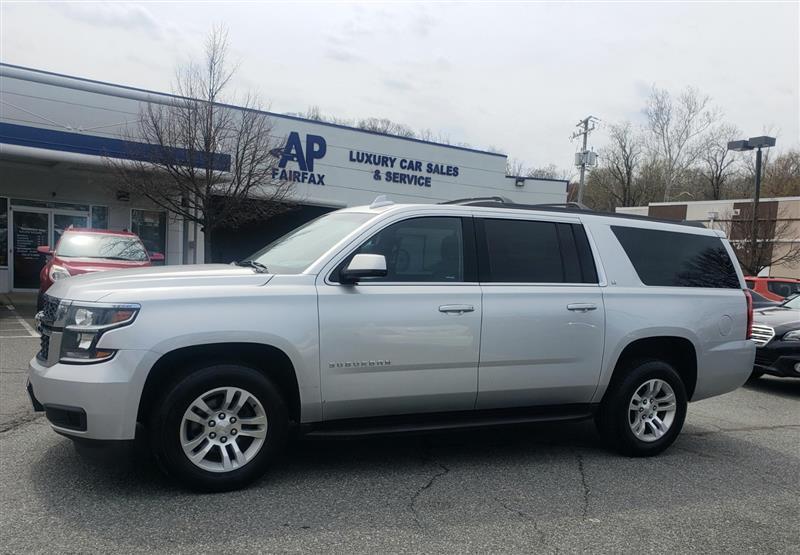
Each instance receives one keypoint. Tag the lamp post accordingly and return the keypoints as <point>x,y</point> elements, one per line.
<point>754,143</point>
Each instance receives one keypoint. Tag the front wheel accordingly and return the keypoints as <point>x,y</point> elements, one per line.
<point>644,412</point>
<point>219,427</point>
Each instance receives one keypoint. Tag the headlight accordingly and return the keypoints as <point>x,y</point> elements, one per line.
<point>58,272</point>
<point>793,335</point>
<point>84,326</point>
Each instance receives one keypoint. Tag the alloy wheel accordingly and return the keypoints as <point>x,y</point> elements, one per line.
<point>652,410</point>
<point>223,429</point>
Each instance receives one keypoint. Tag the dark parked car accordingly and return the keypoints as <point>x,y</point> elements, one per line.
<point>776,331</point>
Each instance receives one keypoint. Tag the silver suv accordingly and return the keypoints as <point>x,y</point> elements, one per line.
<point>395,318</point>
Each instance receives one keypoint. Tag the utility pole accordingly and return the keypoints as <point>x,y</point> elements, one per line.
<point>754,143</point>
<point>756,198</point>
<point>584,129</point>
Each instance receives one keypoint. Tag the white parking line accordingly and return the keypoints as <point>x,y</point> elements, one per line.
<point>25,325</point>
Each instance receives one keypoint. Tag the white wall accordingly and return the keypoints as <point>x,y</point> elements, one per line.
<point>48,101</point>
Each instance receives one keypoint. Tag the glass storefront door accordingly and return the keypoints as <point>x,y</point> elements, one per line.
<point>30,229</point>
<point>63,220</point>
<point>35,227</point>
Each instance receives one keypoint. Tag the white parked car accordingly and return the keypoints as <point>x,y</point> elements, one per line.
<point>390,318</point>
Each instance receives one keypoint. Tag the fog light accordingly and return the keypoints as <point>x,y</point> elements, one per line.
<point>797,366</point>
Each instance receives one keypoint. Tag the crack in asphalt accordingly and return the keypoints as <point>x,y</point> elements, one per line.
<point>412,505</point>
<point>749,429</point>
<point>19,421</point>
<point>585,485</point>
<point>522,514</point>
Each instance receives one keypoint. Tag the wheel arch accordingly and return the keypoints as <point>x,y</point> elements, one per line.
<point>175,364</point>
<point>677,351</point>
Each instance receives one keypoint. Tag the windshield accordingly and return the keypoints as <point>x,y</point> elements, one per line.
<point>794,302</point>
<point>96,245</point>
<point>297,250</point>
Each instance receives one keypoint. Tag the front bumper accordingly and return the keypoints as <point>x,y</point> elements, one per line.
<point>778,358</point>
<point>92,401</point>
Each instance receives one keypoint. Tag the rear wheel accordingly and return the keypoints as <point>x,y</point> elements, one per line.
<point>644,412</point>
<point>219,427</point>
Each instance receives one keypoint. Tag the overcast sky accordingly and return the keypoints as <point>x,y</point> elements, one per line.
<point>513,76</point>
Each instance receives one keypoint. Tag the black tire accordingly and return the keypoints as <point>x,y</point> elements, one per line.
<point>167,416</point>
<point>756,374</point>
<point>612,419</point>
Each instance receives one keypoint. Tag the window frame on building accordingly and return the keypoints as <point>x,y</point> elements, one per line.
<point>5,239</point>
<point>165,242</point>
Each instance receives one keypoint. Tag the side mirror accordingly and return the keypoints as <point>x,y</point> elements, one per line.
<point>156,257</point>
<point>363,266</point>
<point>44,249</point>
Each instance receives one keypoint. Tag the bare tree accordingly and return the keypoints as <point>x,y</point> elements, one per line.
<point>782,175</point>
<point>777,237</point>
<point>518,168</point>
<point>387,126</point>
<point>314,113</point>
<point>716,162</point>
<point>674,126</point>
<point>622,159</point>
<point>206,162</point>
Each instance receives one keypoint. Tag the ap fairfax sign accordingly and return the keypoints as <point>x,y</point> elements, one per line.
<point>383,167</point>
<point>315,149</point>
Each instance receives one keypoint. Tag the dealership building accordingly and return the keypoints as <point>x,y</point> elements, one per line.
<point>57,133</point>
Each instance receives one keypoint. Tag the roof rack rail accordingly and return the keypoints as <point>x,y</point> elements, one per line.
<point>485,201</point>
<point>467,201</point>
<point>566,207</point>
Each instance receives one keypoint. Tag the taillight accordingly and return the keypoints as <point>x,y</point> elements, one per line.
<point>749,314</point>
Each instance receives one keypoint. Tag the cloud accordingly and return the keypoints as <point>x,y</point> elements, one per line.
<point>422,24</point>
<point>342,55</point>
<point>398,85</point>
<point>127,16</point>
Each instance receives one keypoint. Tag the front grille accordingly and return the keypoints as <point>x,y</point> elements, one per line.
<point>49,309</point>
<point>44,346</point>
<point>762,334</point>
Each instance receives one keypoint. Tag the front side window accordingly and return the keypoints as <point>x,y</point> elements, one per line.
<point>96,245</point>
<point>429,249</point>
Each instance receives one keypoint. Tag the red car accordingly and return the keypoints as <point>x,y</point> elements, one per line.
<point>774,289</point>
<point>80,251</point>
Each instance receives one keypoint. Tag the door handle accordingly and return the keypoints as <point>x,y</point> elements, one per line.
<point>456,308</point>
<point>581,307</point>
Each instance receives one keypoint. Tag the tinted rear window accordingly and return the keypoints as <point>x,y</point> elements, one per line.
<point>524,251</point>
<point>668,258</point>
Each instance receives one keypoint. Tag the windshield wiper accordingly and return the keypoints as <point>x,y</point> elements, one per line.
<point>257,266</point>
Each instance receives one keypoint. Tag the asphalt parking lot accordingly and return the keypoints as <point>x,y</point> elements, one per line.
<point>729,484</point>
